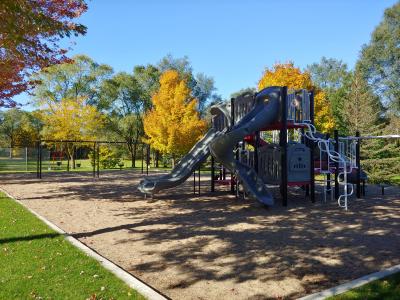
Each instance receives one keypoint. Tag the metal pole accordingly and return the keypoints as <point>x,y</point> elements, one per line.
<point>94,160</point>
<point>147,159</point>
<point>336,137</point>
<point>231,125</point>
<point>37,159</point>
<point>232,112</point>
<point>256,145</point>
<point>199,178</point>
<point>98,160</point>
<point>212,174</point>
<point>328,175</point>
<point>358,165</point>
<point>283,145</point>
<point>194,182</point>
<point>142,157</point>
<point>312,144</point>
<point>26,159</point>
<point>40,161</point>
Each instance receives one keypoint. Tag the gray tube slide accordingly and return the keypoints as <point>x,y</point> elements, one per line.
<point>265,111</point>
<point>199,152</point>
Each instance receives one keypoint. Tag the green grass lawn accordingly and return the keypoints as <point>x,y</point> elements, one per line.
<point>38,263</point>
<point>387,288</point>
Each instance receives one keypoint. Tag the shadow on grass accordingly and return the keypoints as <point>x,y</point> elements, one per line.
<point>29,238</point>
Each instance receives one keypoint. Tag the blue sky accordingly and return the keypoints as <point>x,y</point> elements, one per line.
<point>232,41</point>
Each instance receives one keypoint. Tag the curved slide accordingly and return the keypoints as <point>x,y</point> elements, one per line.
<point>265,111</point>
<point>199,152</point>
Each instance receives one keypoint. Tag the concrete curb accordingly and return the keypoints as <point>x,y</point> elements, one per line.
<point>135,283</point>
<point>352,284</point>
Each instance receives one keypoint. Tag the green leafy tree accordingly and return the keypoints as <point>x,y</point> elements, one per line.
<point>125,102</point>
<point>250,90</point>
<point>18,128</point>
<point>380,59</point>
<point>202,86</point>
<point>83,77</point>
<point>148,79</point>
<point>329,73</point>
<point>332,76</point>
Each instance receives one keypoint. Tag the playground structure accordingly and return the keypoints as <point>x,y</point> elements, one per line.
<point>256,141</point>
<point>269,138</point>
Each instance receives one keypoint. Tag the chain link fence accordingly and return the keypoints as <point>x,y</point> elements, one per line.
<point>20,159</point>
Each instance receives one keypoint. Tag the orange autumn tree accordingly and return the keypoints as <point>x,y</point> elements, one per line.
<point>292,77</point>
<point>173,125</point>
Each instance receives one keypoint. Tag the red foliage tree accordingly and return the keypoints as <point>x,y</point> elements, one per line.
<point>30,31</point>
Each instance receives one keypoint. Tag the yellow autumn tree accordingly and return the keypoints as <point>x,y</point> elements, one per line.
<point>71,119</point>
<point>292,77</point>
<point>173,125</point>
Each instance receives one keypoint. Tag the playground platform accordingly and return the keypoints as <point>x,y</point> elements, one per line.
<point>213,246</point>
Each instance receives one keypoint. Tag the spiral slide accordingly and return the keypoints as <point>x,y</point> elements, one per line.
<point>199,152</point>
<point>265,111</point>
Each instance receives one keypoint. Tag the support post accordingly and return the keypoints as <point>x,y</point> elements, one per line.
<point>26,159</point>
<point>304,141</point>
<point>231,125</point>
<point>94,160</point>
<point>328,175</point>
<point>312,147</point>
<point>73,156</point>
<point>358,165</point>
<point>142,157</point>
<point>336,136</point>
<point>256,145</point>
<point>283,145</point>
<point>40,160</point>
<point>37,158</point>
<point>194,182</point>
<point>199,178</point>
<point>232,112</point>
<point>98,160</point>
<point>212,174</point>
<point>147,159</point>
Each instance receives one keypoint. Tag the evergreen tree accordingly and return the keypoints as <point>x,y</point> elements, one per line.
<point>361,108</point>
<point>379,157</point>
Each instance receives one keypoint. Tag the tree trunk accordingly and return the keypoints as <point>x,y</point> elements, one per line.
<point>11,148</point>
<point>73,157</point>
<point>173,161</point>
<point>157,158</point>
<point>134,154</point>
<point>69,155</point>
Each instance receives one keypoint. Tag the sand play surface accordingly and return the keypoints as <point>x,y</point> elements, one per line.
<point>215,246</point>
